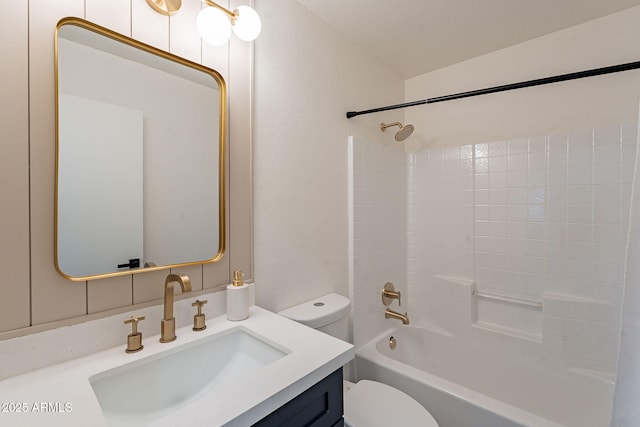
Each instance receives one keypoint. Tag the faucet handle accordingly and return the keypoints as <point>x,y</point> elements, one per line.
<point>198,319</point>
<point>389,294</point>
<point>199,304</point>
<point>134,339</point>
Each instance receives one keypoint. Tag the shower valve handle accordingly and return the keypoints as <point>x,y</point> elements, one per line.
<point>389,293</point>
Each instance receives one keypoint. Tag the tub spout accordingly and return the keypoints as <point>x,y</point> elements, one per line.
<point>390,314</point>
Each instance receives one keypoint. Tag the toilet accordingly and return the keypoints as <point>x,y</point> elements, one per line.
<point>366,403</point>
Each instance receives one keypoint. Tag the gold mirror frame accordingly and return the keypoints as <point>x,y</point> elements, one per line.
<point>221,152</point>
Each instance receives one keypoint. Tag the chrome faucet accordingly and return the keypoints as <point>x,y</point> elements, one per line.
<point>168,323</point>
<point>390,314</point>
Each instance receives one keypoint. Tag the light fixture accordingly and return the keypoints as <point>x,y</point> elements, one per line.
<point>215,23</point>
<point>165,7</point>
<point>244,21</point>
<point>213,26</point>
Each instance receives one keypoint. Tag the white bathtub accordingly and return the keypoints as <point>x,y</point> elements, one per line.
<point>489,385</point>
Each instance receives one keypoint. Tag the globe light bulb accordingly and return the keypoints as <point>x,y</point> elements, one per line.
<point>247,25</point>
<point>213,26</point>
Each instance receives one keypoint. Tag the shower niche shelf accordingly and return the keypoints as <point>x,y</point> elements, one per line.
<point>508,315</point>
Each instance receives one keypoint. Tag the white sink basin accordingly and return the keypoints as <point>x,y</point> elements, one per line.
<point>150,388</point>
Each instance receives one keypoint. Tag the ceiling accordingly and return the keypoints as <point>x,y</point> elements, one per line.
<point>417,36</point>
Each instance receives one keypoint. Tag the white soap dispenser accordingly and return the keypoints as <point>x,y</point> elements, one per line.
<point>237,298</point>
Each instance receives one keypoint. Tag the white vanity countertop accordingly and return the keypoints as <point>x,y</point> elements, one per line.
<point>61,395</point>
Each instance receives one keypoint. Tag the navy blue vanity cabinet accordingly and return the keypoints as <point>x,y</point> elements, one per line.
<point>319,406</point>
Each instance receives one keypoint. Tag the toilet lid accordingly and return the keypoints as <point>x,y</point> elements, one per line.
<point>373,404</point>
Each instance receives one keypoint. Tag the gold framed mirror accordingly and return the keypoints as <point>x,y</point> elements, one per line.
<point>140,156</point>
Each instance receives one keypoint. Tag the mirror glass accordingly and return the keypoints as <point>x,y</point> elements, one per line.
<point>139,156</point>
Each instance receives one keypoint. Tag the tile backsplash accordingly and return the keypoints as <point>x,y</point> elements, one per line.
<point>542,220</point>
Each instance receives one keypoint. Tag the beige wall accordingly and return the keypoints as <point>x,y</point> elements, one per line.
<point>307,76</point>
<point>14,168</point>
<point>533,111</point>
<point>305,82</point>
<point>33,293</point>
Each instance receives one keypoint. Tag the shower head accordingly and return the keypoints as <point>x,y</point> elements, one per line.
<point>403,133</point>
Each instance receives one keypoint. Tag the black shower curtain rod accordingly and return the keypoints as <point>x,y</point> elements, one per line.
<point>529,83</point>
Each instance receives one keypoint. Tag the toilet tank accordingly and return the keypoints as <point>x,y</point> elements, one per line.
<point>328,314</point>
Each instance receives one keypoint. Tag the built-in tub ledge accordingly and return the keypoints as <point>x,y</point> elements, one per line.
<point>606,377</point>
<point>62,394</point>
<point>460,281</point>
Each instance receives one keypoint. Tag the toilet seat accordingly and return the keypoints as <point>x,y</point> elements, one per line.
<point>374,404</point>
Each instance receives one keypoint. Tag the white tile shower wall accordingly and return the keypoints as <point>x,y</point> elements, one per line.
<point>586,255</point>
<point>440,232</point>
<point>378,227</point>
<point>510,181</point>
<point>541,217</point>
